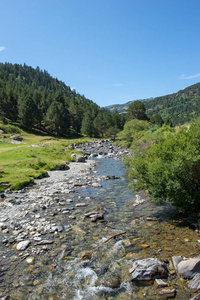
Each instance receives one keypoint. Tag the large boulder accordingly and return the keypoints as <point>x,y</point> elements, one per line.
<point>186,267</point>
<point>16,138</point>
<point>148,269</point>
<point>78,158</point>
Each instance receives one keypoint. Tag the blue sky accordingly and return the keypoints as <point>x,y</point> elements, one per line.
<point>112,51</point>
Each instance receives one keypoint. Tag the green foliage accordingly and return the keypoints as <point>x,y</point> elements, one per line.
<point>170,169</point>
<point>57,118</point>
<point>157,120</point>
<point>9,129</point>
<point>137,110</point>
<point>182,107</point>
<point>133,130</point>
<point>31,97</point>
<point>27,111</point>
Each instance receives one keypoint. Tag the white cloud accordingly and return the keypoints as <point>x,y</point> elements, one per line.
<point>183,76</point>
<point>2,48</point>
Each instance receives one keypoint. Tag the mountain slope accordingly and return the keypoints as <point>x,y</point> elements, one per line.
<point>182,107</point>
<point>36,100</point>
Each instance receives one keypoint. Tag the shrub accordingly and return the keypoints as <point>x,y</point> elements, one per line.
<point>170,169</point>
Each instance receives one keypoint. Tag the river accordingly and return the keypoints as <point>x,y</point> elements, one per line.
<point>57,271</point>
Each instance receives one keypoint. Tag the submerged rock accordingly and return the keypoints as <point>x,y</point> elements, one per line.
<point>148,269</point>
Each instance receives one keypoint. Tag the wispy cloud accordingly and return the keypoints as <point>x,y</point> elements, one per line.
<point>183,76</point>
<point>117,84</point>
<point>2,48</point>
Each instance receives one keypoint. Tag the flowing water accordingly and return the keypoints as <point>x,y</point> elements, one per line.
<point>60,273</point>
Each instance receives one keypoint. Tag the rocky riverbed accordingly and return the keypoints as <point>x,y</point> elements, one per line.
<point>47,228</point>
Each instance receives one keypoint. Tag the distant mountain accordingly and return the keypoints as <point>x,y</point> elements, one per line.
<point>182,107</point>
<point>122,108</point>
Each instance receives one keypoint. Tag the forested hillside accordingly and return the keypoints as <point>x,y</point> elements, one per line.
<point>36,100</point>
<point>182,107</point>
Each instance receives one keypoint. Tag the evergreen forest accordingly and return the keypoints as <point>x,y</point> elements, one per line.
<point>36,100</point>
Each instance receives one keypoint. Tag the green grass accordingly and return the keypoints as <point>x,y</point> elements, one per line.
<point>20,164</point>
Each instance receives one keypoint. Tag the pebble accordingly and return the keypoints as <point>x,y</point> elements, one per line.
<point>23,245</point>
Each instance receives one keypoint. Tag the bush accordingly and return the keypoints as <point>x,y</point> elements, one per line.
<point>170,169</point>
<point>133,130</point>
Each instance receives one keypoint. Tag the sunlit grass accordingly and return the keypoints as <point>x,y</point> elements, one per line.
<point>20,164</point>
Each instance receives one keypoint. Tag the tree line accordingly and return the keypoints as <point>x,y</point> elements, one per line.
<point>36,100</point>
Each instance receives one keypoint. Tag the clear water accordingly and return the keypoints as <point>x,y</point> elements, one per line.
<point>60,273</point>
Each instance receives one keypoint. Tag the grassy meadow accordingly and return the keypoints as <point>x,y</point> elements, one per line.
<point>21,163</point>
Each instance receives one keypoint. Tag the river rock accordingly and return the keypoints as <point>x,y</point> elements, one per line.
<point>148,269</point>
<point>195,282</point>
<point>16,138</point>
<point>81,204</point>
<point>96,217</point>
<point>3,226</point>
<point>166,293</point>
<point>159,283</point>
<point>197,297</point>
<point>96,185</point>
<point>78,158</point>
<point>112,282</point>
<point>187,267</point>
<point>23,245</point>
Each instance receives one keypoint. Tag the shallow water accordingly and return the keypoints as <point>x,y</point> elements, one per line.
<point>60,273</point>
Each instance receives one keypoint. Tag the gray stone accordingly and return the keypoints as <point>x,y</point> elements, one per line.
<point>197,297</point>
<point>148,269</point>
<point>16,138</point>
<point>96,185</point>
<point>176,260</point>
<point>2,226</point>
<point>78,158</point>
<point>168,293</point>
<point>45,242</point>
<point>95,217</point>
<point>81,204</point>
<point>159,283</point>
<point>195,282</point>
<point>189,267</point>
<point>23,245</point>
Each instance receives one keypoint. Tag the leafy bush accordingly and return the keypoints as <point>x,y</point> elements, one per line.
<point>170,169</point>
<point>154,135</point>
<point>133,130</point>
<point>10,129</point>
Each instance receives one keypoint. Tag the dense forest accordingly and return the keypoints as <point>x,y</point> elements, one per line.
<point>181,107</point>
<point>36,100</point>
